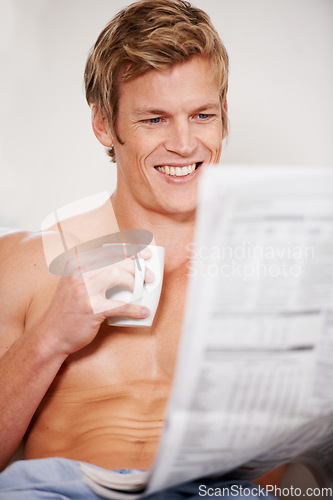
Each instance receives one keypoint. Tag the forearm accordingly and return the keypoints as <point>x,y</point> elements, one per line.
<point>26,372</point>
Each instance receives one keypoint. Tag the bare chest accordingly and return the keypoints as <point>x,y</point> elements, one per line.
<point>127,357</point>
<point>119,383</point>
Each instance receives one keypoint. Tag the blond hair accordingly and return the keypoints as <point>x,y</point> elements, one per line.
<point>146,35</point>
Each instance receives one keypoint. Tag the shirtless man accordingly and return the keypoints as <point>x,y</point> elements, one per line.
<point>72,386</point>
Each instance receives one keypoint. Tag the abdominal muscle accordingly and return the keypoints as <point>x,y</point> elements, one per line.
<point>107,403</point>
<point>113,432</point>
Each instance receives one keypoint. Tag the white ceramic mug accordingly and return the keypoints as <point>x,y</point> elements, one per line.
<point>144,294</point>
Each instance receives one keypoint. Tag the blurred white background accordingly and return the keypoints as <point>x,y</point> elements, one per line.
<point>280,97</point>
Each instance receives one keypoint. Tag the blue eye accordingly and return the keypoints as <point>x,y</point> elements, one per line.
<point>155,120</point>
<point>202,116</point>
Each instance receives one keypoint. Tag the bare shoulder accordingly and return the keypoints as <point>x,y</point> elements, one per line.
<point>88,225</point>
<point>21,253</point>
<point>22,269</point>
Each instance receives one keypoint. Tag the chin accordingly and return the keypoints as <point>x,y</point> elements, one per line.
<point>183,210</point>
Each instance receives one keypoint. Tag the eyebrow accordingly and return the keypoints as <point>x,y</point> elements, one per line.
<point>146,110</point>
<point>154,111</point>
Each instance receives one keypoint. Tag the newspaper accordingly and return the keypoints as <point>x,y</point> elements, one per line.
<point>252,383</point>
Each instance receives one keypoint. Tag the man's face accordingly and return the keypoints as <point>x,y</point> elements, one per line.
<point>171,125</point>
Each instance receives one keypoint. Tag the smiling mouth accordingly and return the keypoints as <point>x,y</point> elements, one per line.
<point>178,171</point>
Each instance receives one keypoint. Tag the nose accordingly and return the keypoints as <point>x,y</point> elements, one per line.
<point>181,138</point>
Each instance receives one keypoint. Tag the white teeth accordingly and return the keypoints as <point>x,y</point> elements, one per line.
<point>177,171</point>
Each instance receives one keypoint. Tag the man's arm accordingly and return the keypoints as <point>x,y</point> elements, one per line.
<point>31,354</point>
<point>26,371</point>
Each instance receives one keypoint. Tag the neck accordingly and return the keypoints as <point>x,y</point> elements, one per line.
<point>172,231</point>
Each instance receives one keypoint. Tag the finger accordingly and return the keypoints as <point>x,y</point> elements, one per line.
<point>126,310</point>
<point>145,254</point>
<point>110,276</point>
<point>127,265</point>
<point>149,275</point>
<point>130,267</point>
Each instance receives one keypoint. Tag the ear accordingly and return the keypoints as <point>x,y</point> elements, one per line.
<point>225,118</point>
<point>101,127</point>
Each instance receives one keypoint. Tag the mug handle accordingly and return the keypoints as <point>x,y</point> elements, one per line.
<point>140,269</point>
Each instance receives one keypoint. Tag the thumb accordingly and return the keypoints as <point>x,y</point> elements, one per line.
<point>125,310</point>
